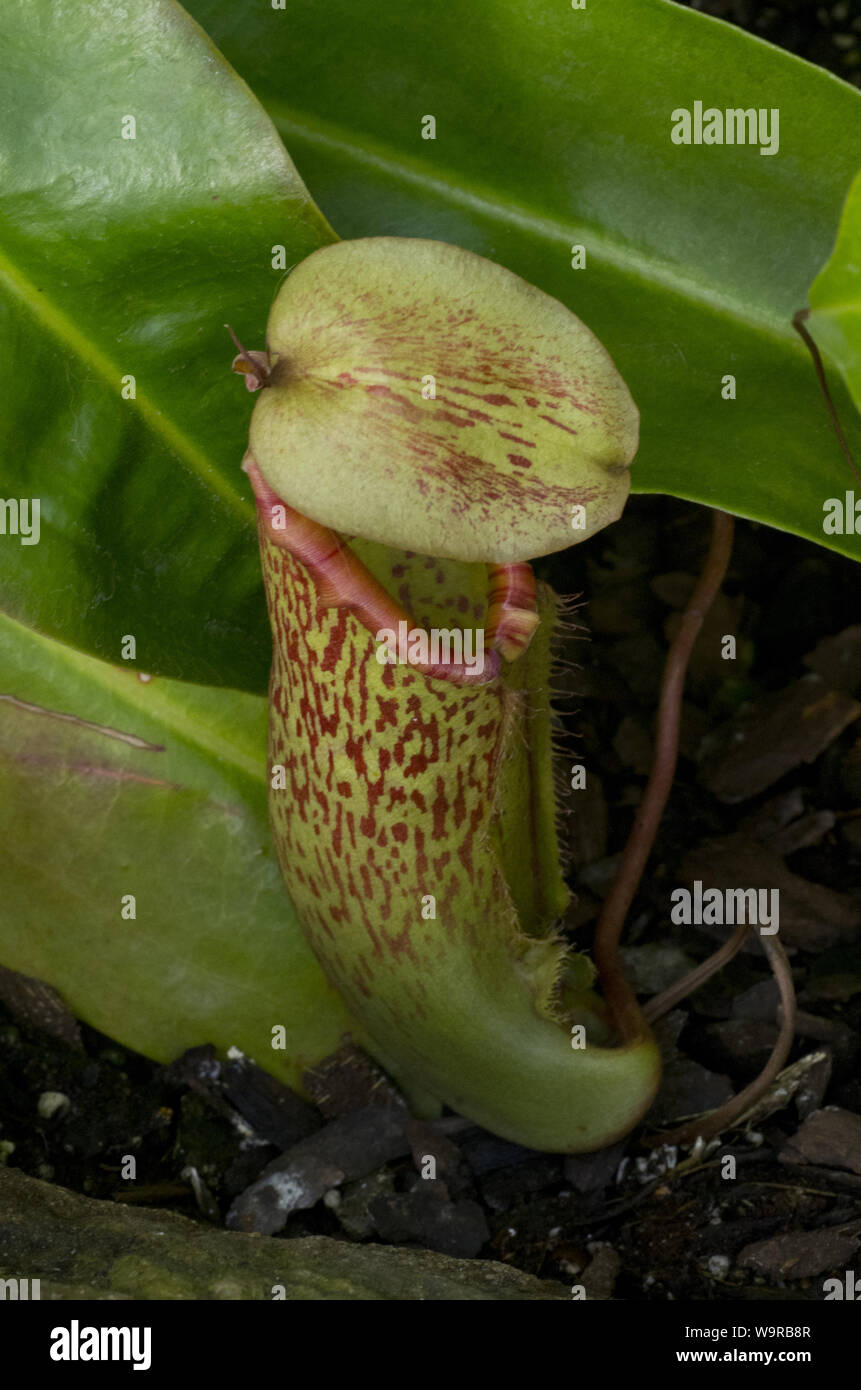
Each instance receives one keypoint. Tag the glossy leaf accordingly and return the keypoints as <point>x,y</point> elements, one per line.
<point>124,257</point>
<point>835,297</point>
<point>553,130</point>
<point>110,787</point>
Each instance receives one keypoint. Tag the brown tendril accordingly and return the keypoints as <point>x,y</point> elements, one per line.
<point>618,993</point>
<point>629,1017</point>
<point>727,1114</point>
<point>717,1120</point>
<point>696,978</point>
<point>799,326</point>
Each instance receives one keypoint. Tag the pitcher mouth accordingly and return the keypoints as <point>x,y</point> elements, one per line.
<point>343,581</point>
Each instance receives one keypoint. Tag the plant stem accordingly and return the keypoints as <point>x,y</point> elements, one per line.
<point>662,1003</point>
<point>617,991</point>
<point>798,325</point>
<point>718,1120</point>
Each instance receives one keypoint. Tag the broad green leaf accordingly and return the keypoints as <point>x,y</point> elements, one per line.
<point>122,258</point>
<point>835,297</point>
<point>553,130</point>
<point>111,786</point>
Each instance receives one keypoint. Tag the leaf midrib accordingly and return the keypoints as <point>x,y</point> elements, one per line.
<point>154,704</point>
<point>448,186</point>
<point>45,312</point>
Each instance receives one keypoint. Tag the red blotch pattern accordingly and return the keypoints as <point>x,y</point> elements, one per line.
<point>390,781</point>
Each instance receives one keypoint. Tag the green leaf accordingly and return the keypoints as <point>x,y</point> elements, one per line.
<point>111,786</point>
<point>835,297</point>
<point>125,257</point>
<point>552,130</point>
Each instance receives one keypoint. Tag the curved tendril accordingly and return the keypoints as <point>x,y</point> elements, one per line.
<point>696,978</point>
<point>798,322</point>
<point>715,1121</point>
<point>618,993</point>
